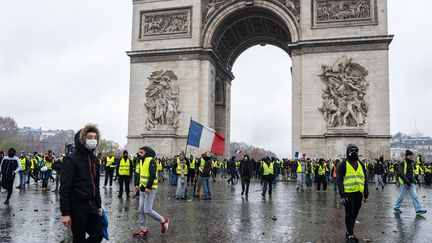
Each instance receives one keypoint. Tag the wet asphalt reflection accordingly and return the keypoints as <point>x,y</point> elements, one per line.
<point>289,216</point>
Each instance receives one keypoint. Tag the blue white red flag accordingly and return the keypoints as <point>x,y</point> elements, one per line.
<point>206,138</point>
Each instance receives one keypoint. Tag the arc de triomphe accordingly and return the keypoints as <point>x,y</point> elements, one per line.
<point>183,51</point>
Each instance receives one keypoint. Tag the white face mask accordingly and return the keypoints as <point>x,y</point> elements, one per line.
<point>91,144</point>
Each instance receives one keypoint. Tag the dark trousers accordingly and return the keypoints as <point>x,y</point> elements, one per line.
<point>352,208</point>
<point>245,185</point>
<point>85,219</point>
<point>109,172</point>
<point>322,180</point>
<point>190,176</point>
<point>416,179</point>
<point>126,181</point>
<point>9,182</point>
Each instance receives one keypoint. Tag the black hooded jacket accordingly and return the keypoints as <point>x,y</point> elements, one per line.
<point>79,178</point>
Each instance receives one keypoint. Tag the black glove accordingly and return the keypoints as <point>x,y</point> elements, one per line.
<point>366,195</point>
<point>344,201</point>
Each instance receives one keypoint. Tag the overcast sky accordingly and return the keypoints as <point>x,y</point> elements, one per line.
<point>63,64</point>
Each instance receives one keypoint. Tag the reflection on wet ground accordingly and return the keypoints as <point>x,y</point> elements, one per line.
<point>288,216</point>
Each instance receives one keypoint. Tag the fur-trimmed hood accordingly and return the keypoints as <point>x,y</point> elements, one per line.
<point>80,136</point>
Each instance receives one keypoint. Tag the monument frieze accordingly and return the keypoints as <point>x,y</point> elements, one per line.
<point>338,13</point>
<point>162,24</point>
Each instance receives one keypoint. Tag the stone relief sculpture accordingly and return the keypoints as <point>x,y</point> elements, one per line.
<point>210,7</point>
<point>344,103</point>
<point>340,10</point>
<point>293,5</point>
<point>162,101</point>
<point>163,23</point>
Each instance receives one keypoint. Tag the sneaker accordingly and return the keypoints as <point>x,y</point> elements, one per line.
<point>6,202</point>
<point>397,210</point>
<point>141,232</point>
<point>352,238</point>
<point>421,211</point>
<point>164,226</point>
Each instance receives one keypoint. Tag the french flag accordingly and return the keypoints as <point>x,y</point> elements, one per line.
<point>206,138</point>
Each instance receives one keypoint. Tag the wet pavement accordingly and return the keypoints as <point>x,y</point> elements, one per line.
<point>289,216</point>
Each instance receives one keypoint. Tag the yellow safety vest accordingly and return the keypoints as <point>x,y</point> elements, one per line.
<point>416,170</point>
<point>159,165</point>
<point>137,167</point>
<point>110,162</point>
<point>185,167</point>
<point>145,173</point>
<point>391,168</point>
<point>192,164</point>
<point>321,171</point>
<point>48,164</point>
<point>404,171</point>
<point>354,180</point>
<point>124,167</point>
<point>23,163</point>
<point>299,168</point>
<point>268,170</point>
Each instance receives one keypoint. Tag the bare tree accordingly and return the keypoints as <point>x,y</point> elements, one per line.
<point>8,128</point>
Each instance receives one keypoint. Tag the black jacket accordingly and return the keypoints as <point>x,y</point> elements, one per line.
<point>246,168</point>
<point>379,169</point>
<point>409,176</point>
<point>79,178</point>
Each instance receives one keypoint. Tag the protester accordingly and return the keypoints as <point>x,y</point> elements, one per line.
<point>246,174</point>
<point>9,166</point>
<point>80,201</point>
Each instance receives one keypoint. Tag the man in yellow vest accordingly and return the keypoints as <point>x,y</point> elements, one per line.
<point>268,174</point>
<point>352,184</point>
<point>181,170</point>
<point>191,172</point>
<point>148,185</point>
<point>109,169</point>
<point>124,172</point>
<point>321,172</point>
<point>406,180</point>
<point>300,171</point>
<point>23,170</point>
<point>48,161</point>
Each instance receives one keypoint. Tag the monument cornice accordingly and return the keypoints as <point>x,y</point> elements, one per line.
<point>345,44</point>
<point>155,136</point>
<point>178,54</point>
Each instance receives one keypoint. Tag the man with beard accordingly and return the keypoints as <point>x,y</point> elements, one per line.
<point>406,180</point>
<point>352,184</point>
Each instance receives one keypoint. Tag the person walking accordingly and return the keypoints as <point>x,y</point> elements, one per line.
<point>231,166</point>
<point>124,172</point>
<point>9,166</point>
<point>379,173</point>
<point>267,177</point>
<point>352,183</point>
<point>80,201</point>
<point>191,172</point>
<point>246,170</point>
<point>23,171</point>
<point>406,181</point>
<point>309,172</point>
<point>47,161</point>
<point>147,186</point>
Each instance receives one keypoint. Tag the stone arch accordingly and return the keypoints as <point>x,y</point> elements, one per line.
<point>274,14</point>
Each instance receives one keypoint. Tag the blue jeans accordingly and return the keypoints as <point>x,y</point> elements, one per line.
<point>265,182</point>
<point>46,177</point>
<point>403,189</point>
<point>22,176</point>
<point>205,182</point>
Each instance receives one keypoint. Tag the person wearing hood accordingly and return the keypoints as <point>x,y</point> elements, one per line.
<point>148,185</point>
<point>124,172</point>
<point>9,166</point>
<point>246,170</point>
<point>80,201</point>
<point>406,180</point>
<point>352,185</point>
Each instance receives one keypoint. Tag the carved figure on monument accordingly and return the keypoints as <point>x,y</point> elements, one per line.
<point>344,103</point>
<point>331,10</point>
<point>165,23</point>
<point>162,101</point>
<point>212,6</point>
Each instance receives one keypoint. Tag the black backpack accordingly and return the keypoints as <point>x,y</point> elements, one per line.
<point>207,169</point>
